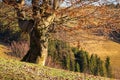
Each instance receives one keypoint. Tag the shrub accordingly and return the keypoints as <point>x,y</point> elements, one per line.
<point>19,49</point>
<point>108,67</point>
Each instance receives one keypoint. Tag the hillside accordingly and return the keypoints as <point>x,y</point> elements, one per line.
<point>11,69</point>
<point>15,70</point>
<point>95,35</point>
<point>4,49</point>
<point>94,44</point>
<point>102,47</point>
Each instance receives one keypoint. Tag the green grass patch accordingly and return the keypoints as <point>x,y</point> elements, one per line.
<point>15,70</point>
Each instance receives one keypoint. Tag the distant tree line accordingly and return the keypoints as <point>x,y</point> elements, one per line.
<point>61,55</point>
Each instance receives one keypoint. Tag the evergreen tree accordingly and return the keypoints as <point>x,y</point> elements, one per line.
<point>68,63</point>
<point>108,67</point>
<point>92,64</point>
<point>96,67</point>
<point>78,67</point>
<point>85,63</point>
<point>101,70</point>
<point>73,62</point>
<point>99,67</point>
<point>87,59</point>
<point>75,50</point>
<point>81,60</point>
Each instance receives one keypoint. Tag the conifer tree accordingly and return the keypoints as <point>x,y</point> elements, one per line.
<point>101,70</point>
<point>92,64</point>
<point>81,60</point>
<point>87,59</point>
<point>108,67</point>
<point>78,67</point>
<point>99,67</point>
<point>85,63</point>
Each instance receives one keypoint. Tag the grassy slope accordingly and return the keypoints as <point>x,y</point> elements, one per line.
<point>98,45</point>
<point>90,42</point>
<point>15,70</point>
<point>107,48</point>
<point>11,69</point>
<point>3,50</point>
<point>94,45</point>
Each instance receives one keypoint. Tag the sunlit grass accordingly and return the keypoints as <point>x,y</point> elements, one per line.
<point>102,47</point>
<point>3,50</point>
<point>15,70</point>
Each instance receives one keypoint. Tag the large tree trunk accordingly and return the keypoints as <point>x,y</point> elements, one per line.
<point>37,27</point>
<point>38,31</point>
<point>38,48</point>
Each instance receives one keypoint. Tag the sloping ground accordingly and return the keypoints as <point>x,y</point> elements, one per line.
<point>106,48</point>
<point>100,45</point>
<point>4,49</point>
<point>15,70</point>
<point>93,44</point>
<point>11,69</point>
<point>103,48</point>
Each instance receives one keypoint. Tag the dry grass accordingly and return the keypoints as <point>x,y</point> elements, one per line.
<point>106,48</point>
<point>103,48</point>
<point>3,50</point>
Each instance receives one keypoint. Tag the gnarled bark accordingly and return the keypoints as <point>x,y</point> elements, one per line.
<point>38,51</point>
